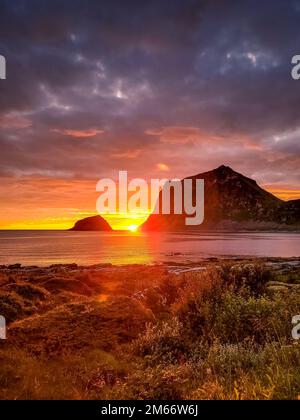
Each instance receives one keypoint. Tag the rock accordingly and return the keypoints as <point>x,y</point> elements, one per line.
<point>232,202</point>
<point>14,266</point>
<point>93,223</point>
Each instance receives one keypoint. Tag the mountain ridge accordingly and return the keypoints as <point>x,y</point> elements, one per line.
<point>233,201</point>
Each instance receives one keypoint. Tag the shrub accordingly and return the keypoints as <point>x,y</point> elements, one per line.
<point>233,311</point>
<point>156,383</point>
<point>29,291</point>
<point>162,343</point>
<point>253,277</point>
<point>11,306</point>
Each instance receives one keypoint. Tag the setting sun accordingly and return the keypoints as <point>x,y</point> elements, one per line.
<point>133,228</point>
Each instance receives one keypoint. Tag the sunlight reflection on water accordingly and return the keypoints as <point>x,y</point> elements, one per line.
<point>51,247</point>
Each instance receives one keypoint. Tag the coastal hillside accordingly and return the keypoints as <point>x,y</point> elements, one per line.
<point>233,201</point>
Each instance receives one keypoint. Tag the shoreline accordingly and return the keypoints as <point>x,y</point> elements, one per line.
<point>201,261</point>
<point>71,282</point>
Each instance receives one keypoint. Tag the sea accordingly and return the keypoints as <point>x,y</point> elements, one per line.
<point>44,248</point>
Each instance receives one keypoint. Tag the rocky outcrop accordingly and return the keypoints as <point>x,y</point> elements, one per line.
<point>95,223</point>
<point>233,201</point>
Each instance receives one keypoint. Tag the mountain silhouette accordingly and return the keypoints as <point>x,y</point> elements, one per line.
<point>95,223</point>
<point>232,201</point>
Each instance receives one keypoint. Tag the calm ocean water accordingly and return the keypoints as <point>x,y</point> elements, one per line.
<point>52,247</point>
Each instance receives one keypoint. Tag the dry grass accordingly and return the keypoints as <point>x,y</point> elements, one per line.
<point>140,332</point>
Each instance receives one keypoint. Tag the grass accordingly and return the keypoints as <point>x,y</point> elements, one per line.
<point>224,333</point>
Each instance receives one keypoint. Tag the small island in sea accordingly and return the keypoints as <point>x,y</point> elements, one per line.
<point>92,223</point>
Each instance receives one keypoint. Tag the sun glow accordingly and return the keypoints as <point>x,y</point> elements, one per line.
<point>133,228</point>
<point>126,221</point>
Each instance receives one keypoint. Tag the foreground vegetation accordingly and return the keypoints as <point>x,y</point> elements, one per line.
<point>143,332</point>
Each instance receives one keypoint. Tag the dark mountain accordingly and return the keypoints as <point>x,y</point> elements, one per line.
<point>96,223</point>
<point>233,201</point>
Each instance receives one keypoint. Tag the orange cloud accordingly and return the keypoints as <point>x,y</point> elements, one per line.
<point>14,121</point>
<point>162,167</point>
<point>91,132</point>
<point>127,154</point>
<point>252,145</point>
<point>176,134</point>
<point>187,135</point>
<point>183,135</point>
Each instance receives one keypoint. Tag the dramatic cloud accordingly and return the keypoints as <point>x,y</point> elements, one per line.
<point>180,135</point>
<point>11,121</point>
<point>91,132</point>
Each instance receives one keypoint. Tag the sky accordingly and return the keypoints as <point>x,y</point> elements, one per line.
<point>162,89</point>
